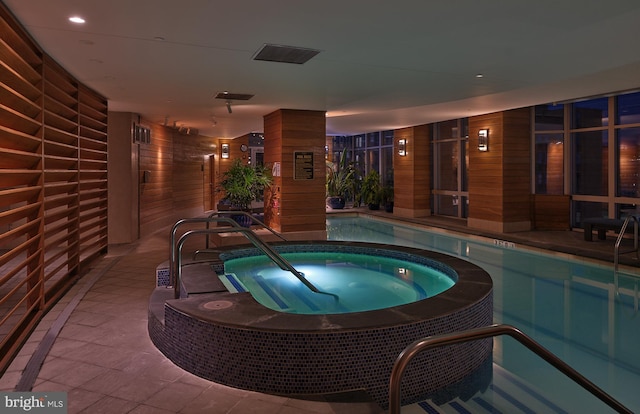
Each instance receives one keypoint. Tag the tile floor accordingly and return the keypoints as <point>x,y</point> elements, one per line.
<point>103,357</point>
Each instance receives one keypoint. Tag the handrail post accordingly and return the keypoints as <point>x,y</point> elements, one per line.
<point>485,332</point>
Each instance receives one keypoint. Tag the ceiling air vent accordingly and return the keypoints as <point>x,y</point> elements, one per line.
<point>285,54</point>
<point>234,96</point>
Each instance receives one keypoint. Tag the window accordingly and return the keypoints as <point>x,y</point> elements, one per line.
<point>450,166</point>
<point>590,167</point>
<point>628,162</point>
<point>549,163</point>
<point>590,114</point>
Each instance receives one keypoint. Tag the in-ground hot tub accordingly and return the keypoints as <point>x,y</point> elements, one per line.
<point>232,339</point>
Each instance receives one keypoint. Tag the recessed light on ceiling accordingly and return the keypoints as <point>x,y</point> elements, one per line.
<point>76,19</point>
<point>285,54</point>
<point>479,75</point>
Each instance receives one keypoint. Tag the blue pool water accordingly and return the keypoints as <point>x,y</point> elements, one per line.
<point>571,307</point>
<point>361,282</point>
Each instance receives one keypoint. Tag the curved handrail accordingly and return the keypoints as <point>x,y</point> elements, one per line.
<point>255,240</point>
<point>486,332</point>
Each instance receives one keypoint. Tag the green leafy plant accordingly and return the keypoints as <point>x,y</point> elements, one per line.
<point>371,191</point>
<point>242,184</point>
<point>341,178</point>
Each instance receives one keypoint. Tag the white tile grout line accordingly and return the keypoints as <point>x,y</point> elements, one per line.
<point>32,369</point>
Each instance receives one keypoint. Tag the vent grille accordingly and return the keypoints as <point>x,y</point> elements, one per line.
<point>285,54</point>
<point>234,96</point>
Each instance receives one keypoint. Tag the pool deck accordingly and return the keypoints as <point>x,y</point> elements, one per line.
<point>103,357</point>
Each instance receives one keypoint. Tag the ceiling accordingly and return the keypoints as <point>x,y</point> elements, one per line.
<point>382,65</point>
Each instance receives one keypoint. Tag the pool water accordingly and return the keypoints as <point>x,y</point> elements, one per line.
<point>572,307</point>
<point>361,282</point>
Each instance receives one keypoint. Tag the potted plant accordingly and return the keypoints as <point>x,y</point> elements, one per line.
<point>371,191</point>
<point>242,184</point>
<point>340,182</point>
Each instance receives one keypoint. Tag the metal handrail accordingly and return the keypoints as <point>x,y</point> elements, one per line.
<point>256,241</point>
<point>172,238</point>
<point>253,218</point>
<point>486,332</point>
<point>616,249</point>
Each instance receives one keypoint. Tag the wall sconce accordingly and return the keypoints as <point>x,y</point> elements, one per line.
<point>483,140</point>
<point>225,151</point>
<point>402,147</point>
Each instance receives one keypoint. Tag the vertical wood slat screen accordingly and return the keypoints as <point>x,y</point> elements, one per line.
<point>53,180</point>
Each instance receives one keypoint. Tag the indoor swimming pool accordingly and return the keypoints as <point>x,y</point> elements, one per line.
<point>575,308</point>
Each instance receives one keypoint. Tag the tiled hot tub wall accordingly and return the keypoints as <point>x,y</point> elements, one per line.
<point>287,360</point>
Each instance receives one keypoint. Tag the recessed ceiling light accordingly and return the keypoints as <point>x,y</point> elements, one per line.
<point>479,75</point>
<point>76,19</point>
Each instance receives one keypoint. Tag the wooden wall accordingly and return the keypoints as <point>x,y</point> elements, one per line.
<point>53,182</point>
<point>500,178</point>
<point>412,173</point>
<point>296,206</point>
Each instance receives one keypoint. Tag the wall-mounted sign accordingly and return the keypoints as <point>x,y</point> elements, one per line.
<point>303,165</point>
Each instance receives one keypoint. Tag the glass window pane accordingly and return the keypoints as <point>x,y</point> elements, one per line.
<point>447,129</point>
<point>387,138</point>
<point>373,160</point>
<point>628,108</point>
<point>359,141</point>
<point>590,114</point>
<point>373,139</point>
<point>549,163</point>
<point>590,163</point>
<point>586,209</point>
<point>448,166</point>
<point>465,169</point>
<point>447,205</point>
<point>628,159</point>
<point>549,117</point>
<point>387,166</point>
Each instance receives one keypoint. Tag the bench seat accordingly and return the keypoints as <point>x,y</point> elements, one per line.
<point>601,224</point>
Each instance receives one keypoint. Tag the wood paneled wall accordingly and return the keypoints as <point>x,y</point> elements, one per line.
<point>296,206</point>
<point>412,173</point>
<point>53,182</point>
<point>500,178</point>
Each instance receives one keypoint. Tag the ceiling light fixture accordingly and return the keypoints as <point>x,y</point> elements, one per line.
<point>229,107</point>
<point>76,19</point>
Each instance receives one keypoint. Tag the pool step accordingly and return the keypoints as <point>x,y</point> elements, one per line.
<point>506,394</point>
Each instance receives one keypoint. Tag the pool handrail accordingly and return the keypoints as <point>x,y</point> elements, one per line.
<point>256,241</point>
<point>420,345</point>
<point>253,218</point>
<point>174,229</point>
<point>616,250</point>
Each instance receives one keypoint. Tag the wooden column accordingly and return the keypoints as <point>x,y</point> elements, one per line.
<point>294,143</point>
<point>500,178</point>
<point>412,179</point>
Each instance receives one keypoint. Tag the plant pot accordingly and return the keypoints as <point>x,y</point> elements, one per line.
<point>374,206</point>
<point>243,220</point>
<point>388,207</point>
<point>336,202</point>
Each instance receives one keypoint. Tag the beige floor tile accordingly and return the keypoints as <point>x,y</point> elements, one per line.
<point>174,397</point>
<point>79,374</point>
<point>110,405</point>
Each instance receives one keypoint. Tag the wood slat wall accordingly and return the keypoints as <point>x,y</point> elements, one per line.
<point>500,178</point>
<point>53,177</point>
<point>300,203</point>
<point>412,173</point>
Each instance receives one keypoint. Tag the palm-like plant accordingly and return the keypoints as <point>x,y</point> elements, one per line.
<point>242,184</point>
<point>341,178</point>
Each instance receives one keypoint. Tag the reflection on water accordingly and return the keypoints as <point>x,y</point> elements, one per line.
<point>572,308</point>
